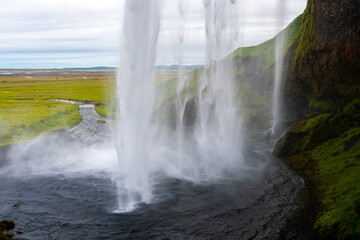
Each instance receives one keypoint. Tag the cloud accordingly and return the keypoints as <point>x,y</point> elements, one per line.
<point>69,30</point>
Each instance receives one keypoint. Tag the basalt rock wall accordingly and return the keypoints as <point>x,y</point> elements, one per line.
<point>327,62</point>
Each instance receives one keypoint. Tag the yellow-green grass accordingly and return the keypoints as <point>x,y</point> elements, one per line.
<point>24,119</point>
<point>42,89</point>
<point>25,111</point>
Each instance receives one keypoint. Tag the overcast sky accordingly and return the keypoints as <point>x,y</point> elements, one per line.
<point>86,33</point>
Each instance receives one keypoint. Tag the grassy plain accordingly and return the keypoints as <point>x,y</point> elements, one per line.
<point>26,110</point>
<point>25,119</point>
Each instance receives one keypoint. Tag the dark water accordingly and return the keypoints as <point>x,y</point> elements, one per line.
<point>251,205</point>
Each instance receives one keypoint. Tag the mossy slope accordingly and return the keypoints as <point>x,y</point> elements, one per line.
<point>325,150</point>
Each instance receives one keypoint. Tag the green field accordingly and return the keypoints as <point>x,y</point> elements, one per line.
<point>26,110</point>
<point>22,120</point>
<point>96,88</point>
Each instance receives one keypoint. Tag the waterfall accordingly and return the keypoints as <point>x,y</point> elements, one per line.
<point>181,97</point>
<point>135,95</point>
<point>218,129</point>
<point>279,56</point>
<point>211,147</point>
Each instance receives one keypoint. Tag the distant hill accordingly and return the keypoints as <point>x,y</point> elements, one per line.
<point>159,67</point>
<point>100,67</point>
<point>177,67</point>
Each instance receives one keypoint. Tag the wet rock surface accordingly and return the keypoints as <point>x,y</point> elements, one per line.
<point>90,131</point>
<point>329,69</point>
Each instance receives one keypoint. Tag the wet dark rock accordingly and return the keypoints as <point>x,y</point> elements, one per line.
<point>357,208</point>
<point>190,113</point>
<point>331,59</point>
<point>288,143</point>
<point>349,144</point>
<point>294,106</point>
<point>6,225</point>
<point>280,128</point>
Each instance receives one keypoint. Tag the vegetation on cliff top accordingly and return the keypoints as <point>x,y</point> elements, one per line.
<point>307,37</point>
<point>267,49</point>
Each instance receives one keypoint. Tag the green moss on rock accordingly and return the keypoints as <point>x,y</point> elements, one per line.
<point>307,36</point>
<point>341,189</point>
<point>289,144</point>
<point>325,151</point>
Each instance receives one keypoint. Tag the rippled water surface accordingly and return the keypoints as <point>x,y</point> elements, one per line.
<point>64,204</point>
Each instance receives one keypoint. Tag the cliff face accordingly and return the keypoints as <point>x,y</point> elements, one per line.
<point>324,147</point>
<point>328,58</point>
